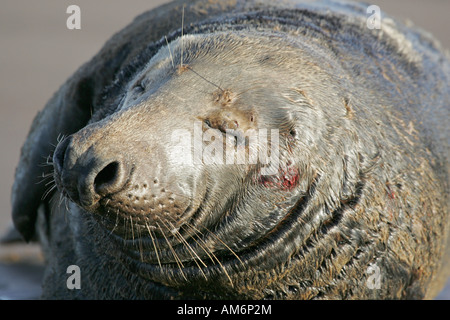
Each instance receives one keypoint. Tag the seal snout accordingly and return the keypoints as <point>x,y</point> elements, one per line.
<point>124,188</point>
<point>89,176</point>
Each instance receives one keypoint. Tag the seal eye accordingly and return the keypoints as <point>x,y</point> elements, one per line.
<point>139,86</point>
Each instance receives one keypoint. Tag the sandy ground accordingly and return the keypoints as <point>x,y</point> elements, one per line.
<point>38,53</point>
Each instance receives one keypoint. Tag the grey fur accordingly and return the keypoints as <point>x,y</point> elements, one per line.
<point>363,119</point>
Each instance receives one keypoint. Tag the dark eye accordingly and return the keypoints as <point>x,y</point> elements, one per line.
<point>139,86</point>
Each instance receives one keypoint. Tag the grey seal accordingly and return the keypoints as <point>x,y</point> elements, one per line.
<point>356,208</point>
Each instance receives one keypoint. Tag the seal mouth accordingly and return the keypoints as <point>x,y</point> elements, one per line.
<point>196,252</point>
<point>176,242</point>
<point>132,227</point>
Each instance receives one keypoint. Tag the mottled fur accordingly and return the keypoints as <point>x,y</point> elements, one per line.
<point>363,119</point>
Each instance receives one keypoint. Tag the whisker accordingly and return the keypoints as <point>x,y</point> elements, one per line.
<point>48,162</point>
<point>45,177</point>
<point>132,229</point>
<point>205,249</point>
<point>213,234</point>
<point>125,226</point>
<point>117,221</point>
<point>61,199</point>
<point>60,137</point>
<point>190,250</point>
<point>240,93</point>
<point>66,203</point>
<point>187,244</point>
<point>154,244</point>
<point>50,182</point>
<point>48,192</point>
<point>177,259</point>
<point>170,52</point>
<point>141,249</point>
<point>223,243</point>
<point>215,257</point>
<point>202,77</point>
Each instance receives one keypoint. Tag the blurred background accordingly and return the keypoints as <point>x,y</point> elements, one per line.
<point>38,53</point>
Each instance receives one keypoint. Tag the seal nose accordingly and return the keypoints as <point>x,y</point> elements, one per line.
<point>59,154</point>
<point>109,179</point>
<point>89,176</point>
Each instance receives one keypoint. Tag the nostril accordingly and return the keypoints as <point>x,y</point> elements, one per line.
<point>109,179</point>
<point>60,154</point>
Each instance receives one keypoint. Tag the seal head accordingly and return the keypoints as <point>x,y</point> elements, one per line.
<point>265,151</point>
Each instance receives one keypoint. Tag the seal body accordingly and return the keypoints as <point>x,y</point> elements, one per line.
<point>263,151</point>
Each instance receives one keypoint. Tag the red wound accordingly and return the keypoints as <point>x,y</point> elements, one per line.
<point>286,179</point>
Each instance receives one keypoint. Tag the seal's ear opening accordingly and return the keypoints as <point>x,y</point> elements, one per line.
<point>68,111</point>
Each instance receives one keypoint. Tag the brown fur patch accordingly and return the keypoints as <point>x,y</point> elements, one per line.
<point>223,97</point>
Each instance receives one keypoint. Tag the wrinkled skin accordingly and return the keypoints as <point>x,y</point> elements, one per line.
<point>361,181</point>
